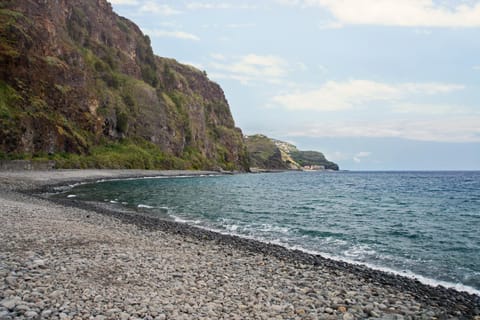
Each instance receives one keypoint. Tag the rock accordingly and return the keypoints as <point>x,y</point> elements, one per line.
<point>374,313</point>
<point>161,317</point>
<point>300,312</point>
<point>64,316</point>
<point>39,263</point>
<point>124,316</point>
<point>21,307</point>
<point>111,312</point>
<point>277,308</point>
<point>5,316</point>
<point>369,307</point>
<point>46,313</point>
<point>56,293</point>
<point>31,314</point>
<point>328,310</point>
<point>348,316</point>
<point>342,309</point>
<point>95,22</point>
<point>10,303</point>
<point>11,281</point>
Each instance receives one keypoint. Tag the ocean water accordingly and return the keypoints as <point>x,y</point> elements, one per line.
<point>419,224</point>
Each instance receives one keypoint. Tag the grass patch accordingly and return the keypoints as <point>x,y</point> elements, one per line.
<point>125,154</point>
<point>9,98</point>
<point>11,13</point>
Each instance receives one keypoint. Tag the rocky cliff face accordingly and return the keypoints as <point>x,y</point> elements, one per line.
<point>264,154</point>
<point>77,79</point>
<point>270,154</point>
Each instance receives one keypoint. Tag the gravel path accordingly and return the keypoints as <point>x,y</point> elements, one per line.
<point>64,262</point>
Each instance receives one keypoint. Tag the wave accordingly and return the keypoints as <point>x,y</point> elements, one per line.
<point>146,206</point>
<point>405,273</point>
<point>354,251</point>
<point>187,221</point>
<point>64,188</point>
<point>150,177</point>
<point>272,228</point>
<point>398,237</point>
<point>359,251</point>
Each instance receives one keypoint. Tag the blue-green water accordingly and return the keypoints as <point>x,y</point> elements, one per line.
<point>422,224</point>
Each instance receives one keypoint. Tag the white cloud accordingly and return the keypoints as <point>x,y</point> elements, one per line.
<point>406,13</point>
<point>430,87</point>
<point>430,109</point>
<point>171,34</point>
<point>335,96</point>
<point>250,68</point>
<point>361,155</point>
<point>453,129</point>
<point>154,7</point>
<point>476,68</point>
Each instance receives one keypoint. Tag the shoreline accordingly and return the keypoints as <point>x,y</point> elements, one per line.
<point>445,302</point>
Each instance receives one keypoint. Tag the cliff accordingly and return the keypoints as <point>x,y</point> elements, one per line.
<point>270,154</point>
<point>264,154</point>
<point>80,85</point>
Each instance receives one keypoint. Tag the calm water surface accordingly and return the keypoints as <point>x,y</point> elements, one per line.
<point>423,224</point>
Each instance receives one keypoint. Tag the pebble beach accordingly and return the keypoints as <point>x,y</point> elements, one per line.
<point>74,260</point>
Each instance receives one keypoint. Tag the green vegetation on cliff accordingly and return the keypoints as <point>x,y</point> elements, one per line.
<point>270,154</point>
<point>264,154</point>
<point>81,85</point>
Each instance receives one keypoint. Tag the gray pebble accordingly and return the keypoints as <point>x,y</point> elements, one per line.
<point>31,314</point>
<point>101,268</point>
<point>10,303</point>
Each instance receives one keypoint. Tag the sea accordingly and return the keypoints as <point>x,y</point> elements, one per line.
<point>423,225</point>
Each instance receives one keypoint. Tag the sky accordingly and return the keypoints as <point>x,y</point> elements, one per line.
<point>373,84</point>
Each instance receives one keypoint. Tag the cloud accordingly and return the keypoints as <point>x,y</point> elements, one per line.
<point>476,68</point>
<point>250,68</point>
<point>404,13</point>
<point>156,8</point>
<point>454,129</point>
<point>430,109</point>
<point>361,155</point>
<point>336,96</point>
<point>171,34</point>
